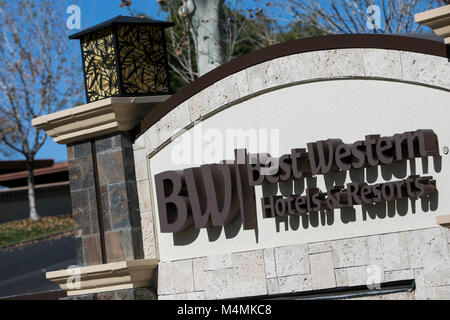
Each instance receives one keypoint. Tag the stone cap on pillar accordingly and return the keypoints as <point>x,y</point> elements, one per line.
<point>437,19</point>
<point>98,118</point>
<point>105,277</point>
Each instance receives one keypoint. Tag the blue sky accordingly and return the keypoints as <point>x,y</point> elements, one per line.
<point>97,11</point>
<point>92,13</point>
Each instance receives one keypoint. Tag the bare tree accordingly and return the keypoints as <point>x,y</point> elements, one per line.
<point>37,76</point>
<point>351,16</point>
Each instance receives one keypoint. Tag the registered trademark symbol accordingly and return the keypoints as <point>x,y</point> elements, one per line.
<point>445,150</point>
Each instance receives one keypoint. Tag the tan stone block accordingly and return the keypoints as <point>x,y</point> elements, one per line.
<point>341,277</point>
<point>199,273</point>
<point>317,247</point>
<point>219,284</point>
<point>415,247</point>
<point>357,276</point>
<point>438,293</point>
<point>382,63</point>
<point>398,275</point>
<point>249,278</point>
<point>291,260</point>
<point>143,188</point>
<point>217,262</point>
<point>272,286</point>
<point>238,83</point>
<point>395,251</point>
<point>184,275</point>
<point>350,252</point>
<point>295,283</point>
<point>151,138</point>
<point>166,279</point>
<point>426,69</point>
<point>141,165</point>
<point>269,262</point>
<point>333,63</point>
<point>198,105</point>
<point>148,235</point>
<point>436,260</point>
<point>322,270</point>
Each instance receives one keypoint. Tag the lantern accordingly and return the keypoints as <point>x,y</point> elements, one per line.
<point>124,57</point>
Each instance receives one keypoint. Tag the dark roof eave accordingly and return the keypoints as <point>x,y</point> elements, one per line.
<point>121,20</point>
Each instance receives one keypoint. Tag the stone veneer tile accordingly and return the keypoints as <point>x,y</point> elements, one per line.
<point>269,74</point>
<point>174,121</point>
<point>105,207</point>
<point>114,246</point>
<point>438,293</point>
<point>93,210</point>
<point>118,206</point>
<point>70,152</point>
<point>295,283</point>
<point>110,167</point>
<point>420,291</point>
<point>398,275</point>
<point>414,243</point>
<point>341,277</point>
<point>184,275</point>
<point>139,143</point>
<point>80,213</point>
<point>425,68</point>
<point>148,235</point>
<point>350,252</point>
<point>333,63</point>
<point>140,164</point>
<point>198,105</point>
<point>382,63</point>
<point>269,262</point>
<point>166,279</point>
<point>199,273</point>
<point>374,248</point>
<point>199,295</point>
<point>81,174</point>
<point>249,274</point>
<point>219,284</point>
<point>317,247</point>
<point>143,188</point>
<point>82,149</point>
<point>322,270</point>
<point>92,253</point>
<point>358,276</point>
<point>395,251</point>
<point>151,139</point>
<point>217,262</point>
<point>272,286</point>
<point>435,254</point>
<point>238,84</point>
<point>291,260</point>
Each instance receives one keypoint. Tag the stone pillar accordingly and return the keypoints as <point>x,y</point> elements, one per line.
<point>117,236</point>
<point>104,196</point>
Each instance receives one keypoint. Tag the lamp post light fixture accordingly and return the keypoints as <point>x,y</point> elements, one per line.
<point>124,57</point>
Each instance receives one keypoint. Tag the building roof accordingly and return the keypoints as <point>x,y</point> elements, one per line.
<point>56,172</point>
<point>121,20</point>
<point>9,166</point>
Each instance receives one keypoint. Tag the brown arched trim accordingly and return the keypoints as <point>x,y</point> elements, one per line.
<point>343,41</point>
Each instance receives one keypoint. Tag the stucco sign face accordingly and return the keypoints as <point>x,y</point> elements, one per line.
<point>215,194</point>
